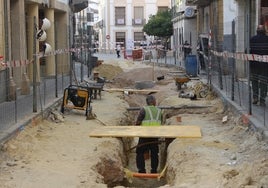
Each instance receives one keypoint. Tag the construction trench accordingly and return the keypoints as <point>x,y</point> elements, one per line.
<point>183,162</point>
<point>127,154</point>
<point>60,151</point>
<point>128,145</point>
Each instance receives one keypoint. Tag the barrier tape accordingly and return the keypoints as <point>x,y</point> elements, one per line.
<point>15,63</point>
<point>225,54</point>
<point>242,56</point>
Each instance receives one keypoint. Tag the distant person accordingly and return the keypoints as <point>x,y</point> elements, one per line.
<point>187,49</point>
<point>94,47</point>
<point>200,53</point>
<point>118,49</point>
<point>149,115</point>
<point>259,70</point>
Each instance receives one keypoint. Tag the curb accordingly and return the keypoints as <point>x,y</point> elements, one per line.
<point>254,124</point>
<point>34,118</point>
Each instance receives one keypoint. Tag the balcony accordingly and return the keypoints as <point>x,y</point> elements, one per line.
<point>198,2</point>
<point>138,22</point>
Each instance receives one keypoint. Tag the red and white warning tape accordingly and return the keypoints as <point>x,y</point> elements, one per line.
<point>15,63</point>
<point>242,56</point>
<point>225,54</point>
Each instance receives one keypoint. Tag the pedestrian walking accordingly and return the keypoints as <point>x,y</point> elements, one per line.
<point>118,49</point>
<point>149,115</point>
<point>259,70</point>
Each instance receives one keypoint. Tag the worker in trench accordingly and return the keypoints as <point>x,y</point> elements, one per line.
<point>149,115</point>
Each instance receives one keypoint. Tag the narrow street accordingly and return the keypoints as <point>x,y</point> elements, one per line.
<point>58,152</point>
<point>71,68</point>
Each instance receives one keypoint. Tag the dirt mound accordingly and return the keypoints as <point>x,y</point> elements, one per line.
<point>125,79</point>
<point>108,71</point>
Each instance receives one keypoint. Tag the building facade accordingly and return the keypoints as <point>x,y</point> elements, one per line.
<point>20,48</point>
<point>121,21</point>
<point>228,23</point>
<point>185,28</point>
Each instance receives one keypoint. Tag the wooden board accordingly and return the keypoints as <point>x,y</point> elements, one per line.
<point>164,131</point>
<point>172,107</point>
<point>144,91</point>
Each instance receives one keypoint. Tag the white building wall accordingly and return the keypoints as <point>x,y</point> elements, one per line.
<point>240,26</point>
<point>129,33</point>
<point>244,31</point>
<point>207,26</point>
<point>150,8</point>
<point>229,14</point>
<point>107,12</point>
<point>187,31</point>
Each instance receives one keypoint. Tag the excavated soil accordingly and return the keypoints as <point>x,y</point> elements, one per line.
<point>58,152</point>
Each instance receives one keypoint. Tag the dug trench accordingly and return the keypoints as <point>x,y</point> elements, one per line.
<point>135,101</point>
<point>229,154</point>
<point>221,158</point>
<point>58,152</point>
<point>127,154</point>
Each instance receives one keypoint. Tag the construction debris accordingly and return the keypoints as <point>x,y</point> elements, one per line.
<point>56,117</point>
<point>189,95</point>
<point>224,119</point>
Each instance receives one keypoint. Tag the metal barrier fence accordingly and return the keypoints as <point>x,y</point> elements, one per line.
<point>237,88</point>
<point>49,90</point>
<point>226,67</point>
<point>231,77</point>
<point>20,109</point>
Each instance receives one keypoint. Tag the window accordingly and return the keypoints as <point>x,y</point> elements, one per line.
<point>139,39</point>
<point>120,38</point>
<point>120,16</point>
<point>138,16</point>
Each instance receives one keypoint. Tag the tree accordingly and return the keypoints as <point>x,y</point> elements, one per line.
<point>160,25</point>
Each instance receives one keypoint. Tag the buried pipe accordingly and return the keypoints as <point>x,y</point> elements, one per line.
<point>129,174</point>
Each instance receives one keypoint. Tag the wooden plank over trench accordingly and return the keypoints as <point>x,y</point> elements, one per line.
<point>141,91</point>
<point>168,131</point>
